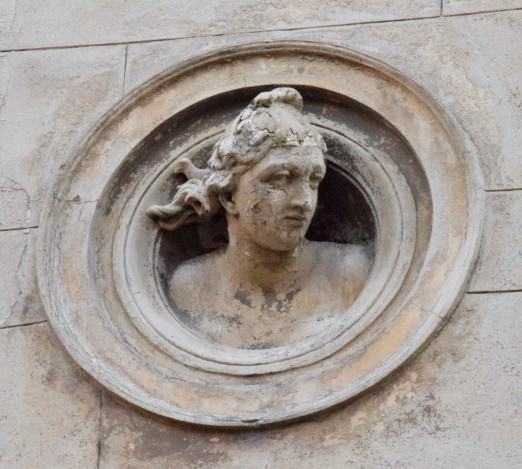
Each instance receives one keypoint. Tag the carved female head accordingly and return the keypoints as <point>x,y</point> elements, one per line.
<point>264,172</point>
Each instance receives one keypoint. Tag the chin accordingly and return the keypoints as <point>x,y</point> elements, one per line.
<point>285,245</point>
<point>275,242</point>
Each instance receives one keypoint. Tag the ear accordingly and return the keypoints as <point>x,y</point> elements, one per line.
<point>227,201</point>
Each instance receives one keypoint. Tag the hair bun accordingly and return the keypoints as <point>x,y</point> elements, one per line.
<point>279,95</point>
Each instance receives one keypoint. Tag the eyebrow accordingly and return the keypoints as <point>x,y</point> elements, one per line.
<point>274,167</point>
<point>319,168</point>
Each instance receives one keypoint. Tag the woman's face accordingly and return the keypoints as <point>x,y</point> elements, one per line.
<point>275,200</point>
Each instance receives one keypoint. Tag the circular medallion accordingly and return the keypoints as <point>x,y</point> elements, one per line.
<point>402,182</point>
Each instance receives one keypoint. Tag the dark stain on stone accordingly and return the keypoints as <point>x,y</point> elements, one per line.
<point>187,318</point>
<point>273,303</point>
<point>156,440</point>
<point>49,378</point>
<point>243,297</point>
<point>259,345</point>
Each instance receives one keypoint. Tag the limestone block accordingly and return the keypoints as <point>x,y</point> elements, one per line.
<point>49,409</point>
<point>48,101</point>
<point>455,405</point>
<point>19,299</point>
<point>499,266</point>
<point>458,7</point>
<point>457,59</point>
<point>55,23</point>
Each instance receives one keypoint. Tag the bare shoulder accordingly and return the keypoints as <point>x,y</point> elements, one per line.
<point>355,253</point>
<point>350,262</point>
<point>192,276</point>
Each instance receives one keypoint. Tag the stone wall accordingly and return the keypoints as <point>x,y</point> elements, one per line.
<point>456,405</point>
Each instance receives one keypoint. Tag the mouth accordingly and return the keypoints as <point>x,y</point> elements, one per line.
<point>296,219</point>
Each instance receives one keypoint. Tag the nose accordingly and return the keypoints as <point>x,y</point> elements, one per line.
<point>301,196</point>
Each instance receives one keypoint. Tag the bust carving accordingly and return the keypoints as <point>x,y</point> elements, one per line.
<point>269,286</point>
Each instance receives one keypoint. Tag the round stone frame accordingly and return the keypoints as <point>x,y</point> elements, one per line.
<point>105,331</point>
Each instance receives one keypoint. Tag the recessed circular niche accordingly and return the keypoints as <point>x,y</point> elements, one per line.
<point>402,181</point>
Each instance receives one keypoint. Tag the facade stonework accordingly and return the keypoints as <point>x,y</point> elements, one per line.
<point>454,404</point>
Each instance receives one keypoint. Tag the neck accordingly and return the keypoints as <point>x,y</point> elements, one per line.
<point>260,267</point>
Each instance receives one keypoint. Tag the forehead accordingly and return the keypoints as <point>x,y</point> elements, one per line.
<point>305,157</point>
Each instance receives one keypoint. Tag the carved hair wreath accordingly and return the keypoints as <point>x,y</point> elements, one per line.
<point>273,118</point>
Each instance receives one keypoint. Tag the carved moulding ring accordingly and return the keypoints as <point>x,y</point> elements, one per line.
<point>398,164</point>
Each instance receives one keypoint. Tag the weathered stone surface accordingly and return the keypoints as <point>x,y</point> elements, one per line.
<point>455,405</point>
<point>48,101</point>
<point>96,261</point>
<point>19,299</point>
<point>499,266</point>
<point>456,58</point>
<point>49,409</point>
<point>27,24</point>
<point>457,7</point>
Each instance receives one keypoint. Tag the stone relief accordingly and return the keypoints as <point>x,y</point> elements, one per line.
<point>292,256</point>
<point>269,286</point>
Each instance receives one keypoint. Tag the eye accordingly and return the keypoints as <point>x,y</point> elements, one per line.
<point>279,179</point>
<point>315,180</point>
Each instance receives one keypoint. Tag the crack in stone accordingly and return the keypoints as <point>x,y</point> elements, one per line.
<point>18,276</point>
<point>23,325</point>
<point>125,70</point>
<point>19,228</point>
<point>100,428</point>
<point>486,292</point>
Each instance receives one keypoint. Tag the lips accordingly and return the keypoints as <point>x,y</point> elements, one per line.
<point>296,219</point>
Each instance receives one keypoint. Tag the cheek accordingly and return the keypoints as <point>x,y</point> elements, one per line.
<point>263,203</point>
<point>315,197</point>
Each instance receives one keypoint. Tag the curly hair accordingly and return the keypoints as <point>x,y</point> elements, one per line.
<point>272,119</point>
